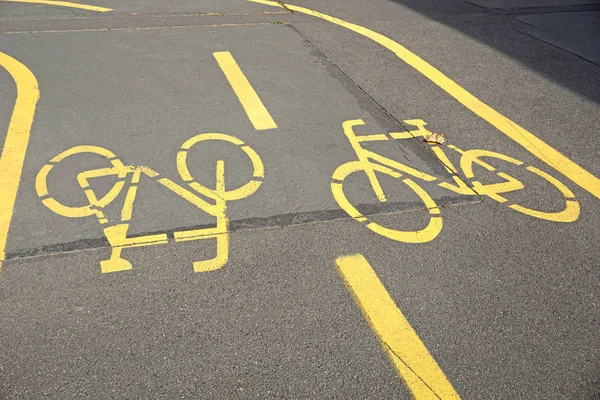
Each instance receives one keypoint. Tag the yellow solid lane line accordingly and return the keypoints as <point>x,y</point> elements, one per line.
<point>15,144</point>
<point>62,4</point>
<point>254,107</point>
<point>528,140</point>
<point>409,355</point>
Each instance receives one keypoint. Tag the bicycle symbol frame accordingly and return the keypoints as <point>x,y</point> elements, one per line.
<point>370,162</point>
<point>116,233</point>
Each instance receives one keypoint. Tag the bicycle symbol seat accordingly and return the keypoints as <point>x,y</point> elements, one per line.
<point>211,201</point>
<point>370,162</point>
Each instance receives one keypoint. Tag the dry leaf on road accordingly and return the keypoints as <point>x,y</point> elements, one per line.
<point>436,138</point>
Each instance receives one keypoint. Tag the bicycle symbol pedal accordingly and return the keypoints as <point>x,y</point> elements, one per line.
<point>212,201</point>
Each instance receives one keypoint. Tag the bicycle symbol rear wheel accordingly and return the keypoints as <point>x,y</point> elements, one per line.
<point>570,211</point>
<point>94,204</point>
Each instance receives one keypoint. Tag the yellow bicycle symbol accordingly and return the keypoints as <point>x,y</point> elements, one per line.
<point>370,162</point>
<point>128,175</point>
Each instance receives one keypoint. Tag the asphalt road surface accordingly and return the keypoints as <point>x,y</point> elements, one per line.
<point>223,199</point>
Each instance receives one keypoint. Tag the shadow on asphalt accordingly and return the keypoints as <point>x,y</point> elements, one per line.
<point>561,33</point>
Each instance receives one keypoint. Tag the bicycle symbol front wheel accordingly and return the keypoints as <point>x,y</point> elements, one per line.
<point>245,190</point>
<point>427,234</point>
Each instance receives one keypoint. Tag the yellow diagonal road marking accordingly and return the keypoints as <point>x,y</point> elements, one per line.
<point>528,140</point>
<point>409,355</point>
<point>15,144</point>
<point>62,4</point>
<point>254,107</point>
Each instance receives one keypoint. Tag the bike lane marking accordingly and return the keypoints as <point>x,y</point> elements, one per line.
<point>410,357</point>
<point>523,137</point>
<point>159,211</point>
<point>15,144</point>
<point>254,107</point>
<point>62,4</point>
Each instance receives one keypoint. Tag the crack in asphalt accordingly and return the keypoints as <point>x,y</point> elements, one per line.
<point>244,225</point>
<point>389,349</point>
